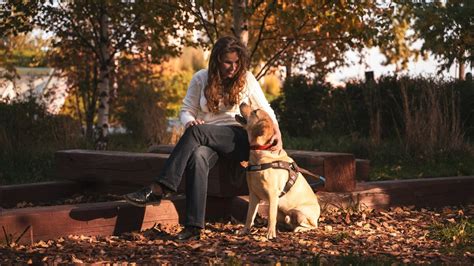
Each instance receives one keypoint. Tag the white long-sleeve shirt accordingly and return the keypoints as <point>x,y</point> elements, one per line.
<point>195,102</point>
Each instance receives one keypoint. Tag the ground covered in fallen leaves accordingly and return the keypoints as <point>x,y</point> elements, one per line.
<point>400,235</point>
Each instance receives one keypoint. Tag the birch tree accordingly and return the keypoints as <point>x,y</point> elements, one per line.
<point>102,30</point>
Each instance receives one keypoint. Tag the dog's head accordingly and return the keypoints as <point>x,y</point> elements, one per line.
<point>258,123</point>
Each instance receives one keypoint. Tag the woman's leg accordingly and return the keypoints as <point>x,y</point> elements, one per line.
<point>197,172</point>
<point>227,141</point>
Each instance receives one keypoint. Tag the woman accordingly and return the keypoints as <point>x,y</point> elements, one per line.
<point>208,113</point>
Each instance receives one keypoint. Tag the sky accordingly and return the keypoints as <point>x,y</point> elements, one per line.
<point>373,62</point>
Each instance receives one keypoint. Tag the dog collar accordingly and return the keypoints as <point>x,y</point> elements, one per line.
<point>263,147</point>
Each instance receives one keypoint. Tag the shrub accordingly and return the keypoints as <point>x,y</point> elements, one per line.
<point>25,125</point>
<point>301,108</point>
<point>144,116</point>
<point>29,136</point>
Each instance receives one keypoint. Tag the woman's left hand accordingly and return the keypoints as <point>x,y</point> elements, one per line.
<point>277,140</point>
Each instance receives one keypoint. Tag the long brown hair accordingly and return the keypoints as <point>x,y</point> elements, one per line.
<point>228,89</point>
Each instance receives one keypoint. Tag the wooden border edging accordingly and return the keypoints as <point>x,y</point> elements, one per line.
<point>10,195</point>
<point>424,192</point>
<point>112,218</point>
<point>103,218</point>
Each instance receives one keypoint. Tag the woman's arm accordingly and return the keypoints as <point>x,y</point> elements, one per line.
<point>258,100</point>
<point>190,106</point>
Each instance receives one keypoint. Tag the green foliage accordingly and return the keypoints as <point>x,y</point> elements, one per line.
<point>29,136</point>
<point>455,234</point>
<point>301,107</point>
<point>420,127</point>
<point>391,162</point>
<point>143,116</point>
<point>271,87</point>
<point>424,114</point>
<point>285,32</point>
<point>24,50</point>
<point>465,92</point>
<point>27,124</point>
<point>174,87</point>
<point>447,30</point>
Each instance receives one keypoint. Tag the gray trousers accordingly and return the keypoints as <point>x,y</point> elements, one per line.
<point>195,154</point>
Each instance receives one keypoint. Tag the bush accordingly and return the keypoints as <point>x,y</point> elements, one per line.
<point>29,136</point>
<point>301,108</point>
<point>426,116</point>
<point>144,116</point>
<point>25,125</point>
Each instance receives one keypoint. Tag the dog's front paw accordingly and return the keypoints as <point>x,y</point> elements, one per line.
<point>271,233</point>
<point>243,231</point>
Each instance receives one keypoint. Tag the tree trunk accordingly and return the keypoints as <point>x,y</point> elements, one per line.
<point>461,70</point>
<point>240,21</point>
<point>372,100</point>
<point>104,86</point>
<point>289,65</point>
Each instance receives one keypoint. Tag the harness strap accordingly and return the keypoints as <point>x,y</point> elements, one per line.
<point>291,167</point>
<point>293,171</point>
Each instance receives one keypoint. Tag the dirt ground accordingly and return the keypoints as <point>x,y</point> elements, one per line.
<point>400,235</point>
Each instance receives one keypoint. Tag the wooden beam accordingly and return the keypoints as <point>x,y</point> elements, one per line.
<point>11,195</point>
<point>109,218</point>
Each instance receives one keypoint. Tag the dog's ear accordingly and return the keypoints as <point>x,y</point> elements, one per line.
<point>241,120</point>
<point>245,110</point>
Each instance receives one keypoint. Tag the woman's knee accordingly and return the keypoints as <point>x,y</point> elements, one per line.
<point>203,153</point>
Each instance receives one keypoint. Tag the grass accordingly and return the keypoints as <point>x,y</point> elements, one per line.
<point>28,165</point>
<point>389,160</point>
<point>457,235</point>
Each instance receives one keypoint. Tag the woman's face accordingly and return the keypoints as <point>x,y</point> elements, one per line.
<point>229,64</point>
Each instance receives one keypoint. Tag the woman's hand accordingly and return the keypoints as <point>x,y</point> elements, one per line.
<point>194,122</point>
<point>277,140</point>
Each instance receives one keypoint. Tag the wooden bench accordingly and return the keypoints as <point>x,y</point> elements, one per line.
<point>122,172</point>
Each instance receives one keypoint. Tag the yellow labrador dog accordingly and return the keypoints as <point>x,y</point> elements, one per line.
<point>273,177</point>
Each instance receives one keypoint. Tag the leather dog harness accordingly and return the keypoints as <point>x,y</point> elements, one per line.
<point>293,171</point>
<point>291,167</point>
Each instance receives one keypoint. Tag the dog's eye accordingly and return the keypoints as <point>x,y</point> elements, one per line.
<point>254,112</point>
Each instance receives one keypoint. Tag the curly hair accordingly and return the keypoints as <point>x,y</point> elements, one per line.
<point>228,89</point>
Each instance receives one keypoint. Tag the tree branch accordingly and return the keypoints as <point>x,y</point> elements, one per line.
<point>77,31</point>
<point>262,26</point>
<point>199,15</point>
<point>268,64</point>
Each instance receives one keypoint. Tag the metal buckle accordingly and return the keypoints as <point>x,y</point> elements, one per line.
<point>293,166</point>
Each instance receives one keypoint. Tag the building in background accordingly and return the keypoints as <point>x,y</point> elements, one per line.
<point>41,83</point>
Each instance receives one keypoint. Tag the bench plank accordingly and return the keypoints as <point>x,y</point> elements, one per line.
<point>116,171</point>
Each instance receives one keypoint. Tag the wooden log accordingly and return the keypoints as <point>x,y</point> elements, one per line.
<point>425,192</point>
<point>106,218</point>
<point>109,218</point>
<point>108,167</point>
<point>35,193</point>
<point>338,168</point>
<point>100,219</point>
<point>123,172</point>
<point>428,192</point>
